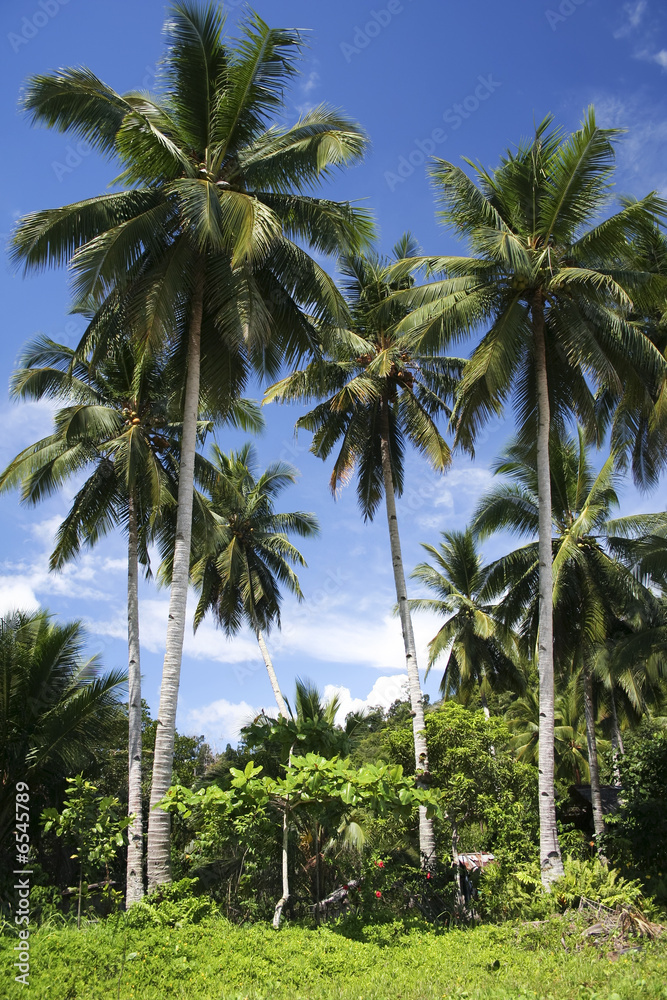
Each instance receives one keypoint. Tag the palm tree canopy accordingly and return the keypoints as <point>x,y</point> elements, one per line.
<point>538,246</point>
<point>57,709</point>
<point>368,376</point>
<point>593,588</point>
<point>479,648</point>
<point>122,422</point>
<point>244,556</point>
<point>216,195</point>
<point>638,416</point>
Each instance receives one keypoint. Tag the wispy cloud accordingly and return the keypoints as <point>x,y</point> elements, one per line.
<point>633,17</point>
<point>308,84</point>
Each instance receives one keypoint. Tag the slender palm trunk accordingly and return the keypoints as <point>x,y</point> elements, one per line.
<point>158,852</point>
<point>426,831</point>
<point>284,899</point>
<point>282,708</point>
<point>550,857</point>
<point>277,693</point>
<point>617,746</point>
<point>485,704</point>
<point>278,912</point>
<point>456,862</point>
<point>589,711</point>
<point>135,847</point>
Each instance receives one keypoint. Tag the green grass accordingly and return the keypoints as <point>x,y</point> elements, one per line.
<point>215,960</point>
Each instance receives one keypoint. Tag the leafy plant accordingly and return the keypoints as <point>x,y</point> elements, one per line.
<point>92,823</point>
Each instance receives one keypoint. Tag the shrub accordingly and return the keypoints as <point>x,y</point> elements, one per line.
<point>520,894</point>
<point>175,904</point>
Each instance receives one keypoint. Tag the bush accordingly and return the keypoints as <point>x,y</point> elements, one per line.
<point>175,904</point>
<point>506,894</point>
<point>636,838</point>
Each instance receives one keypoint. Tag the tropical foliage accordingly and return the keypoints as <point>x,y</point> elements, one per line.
<point>536,783</point>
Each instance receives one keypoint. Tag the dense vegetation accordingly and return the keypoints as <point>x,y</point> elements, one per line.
<point>548,750</point>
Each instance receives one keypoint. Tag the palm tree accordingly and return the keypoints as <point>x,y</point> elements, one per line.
<point>552,287</point>
<point>592,589</point>
<point>117,424</point>
<point>377,397</point>
<point>571,744</point>
<point>239,565</point>
<point>203,251</point>
<point>57,709</point>
<point>637,411</point>
<point>121,428</point>
<point>480,650</point>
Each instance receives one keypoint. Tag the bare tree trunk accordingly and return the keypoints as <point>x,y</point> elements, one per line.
<point>277,693</point>
<point>284,899</point>
<point>426,830</point>
<point>550,857</point>
<point>456,861</point>
<point>589,712</point>
<point>277,916</point>
<point>135,847</point>
<point>617,746</point>
<point>158,852</point>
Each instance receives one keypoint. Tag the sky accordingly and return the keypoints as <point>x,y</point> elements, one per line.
<point>423,77</point>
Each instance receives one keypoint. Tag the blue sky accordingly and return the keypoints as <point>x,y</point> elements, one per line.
<point>423,77</point>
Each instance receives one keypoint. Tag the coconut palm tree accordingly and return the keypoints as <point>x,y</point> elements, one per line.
<point>571,744</point>
<point>378,396</point>
<point>120,429</point>
<point>592,589</point>
<point>204,248</point>
<point>116,428</point>
<point>551,287</point>
<point>240,564</point>
<point>636,412</point>
<point>480,651</point>
<point>57,708</point>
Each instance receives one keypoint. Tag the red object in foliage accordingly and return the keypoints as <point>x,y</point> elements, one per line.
<point>346,887</point>
<point>378,893</point>
<point>428,874</point>
<point>380,864</point>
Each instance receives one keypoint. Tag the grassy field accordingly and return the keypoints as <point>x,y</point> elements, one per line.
<point>215,960</point>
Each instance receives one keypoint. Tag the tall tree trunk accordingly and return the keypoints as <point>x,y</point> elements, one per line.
<point>550,857</point>
<point>589,712</point>
<point>158,852</point>
<point>278,912</point>
<point>456,862</point>
<point>426,830</point>
<point>485,704</point>
<point>617,746</point>
<point>135,848</point>
<point>277,693</point>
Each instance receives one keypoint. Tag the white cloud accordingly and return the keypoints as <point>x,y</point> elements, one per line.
<point>16,594</point>
<point>22,425</point>
<point>384,693</point>
<point>221,721</point>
